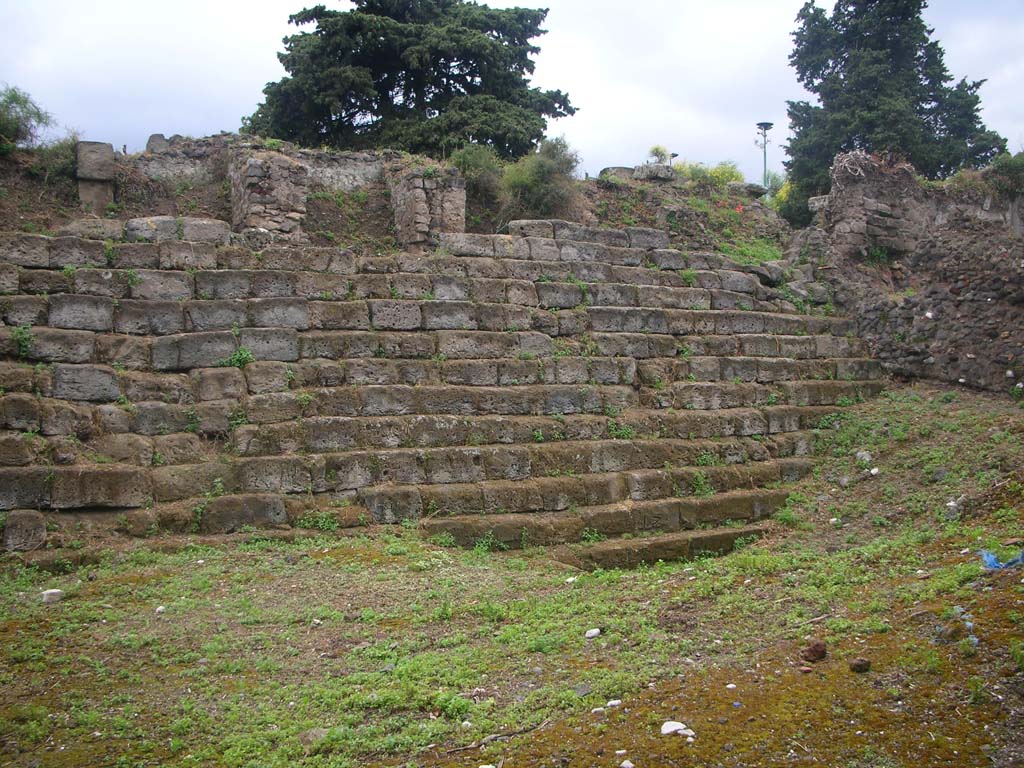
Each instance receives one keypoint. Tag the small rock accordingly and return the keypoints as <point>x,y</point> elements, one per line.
<point>805,670</point>
<point>863,457</point>
<point>626,764</point>
<point>815,650</point>
<point>672,726</point>
<point>614,703</point>
<point>860,665</point>
<point>844,481</point>
<point>597,710</point>
<point>570,580</point>
<point>592,633</point>
<point>467,724</point>
<point>620,752</point>
<point>52,595</point>
<point>161,609</point>
<point>583,689</point>
<point>874,471</point>
<point>310,738</point>
<point>731,686</point>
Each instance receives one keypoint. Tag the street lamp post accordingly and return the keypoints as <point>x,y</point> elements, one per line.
<point>763,144</point>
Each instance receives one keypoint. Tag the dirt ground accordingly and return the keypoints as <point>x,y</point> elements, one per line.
<point>382,648</point>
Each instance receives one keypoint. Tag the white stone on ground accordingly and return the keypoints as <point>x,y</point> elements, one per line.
<point>52,595</point>
<point>592,633</point>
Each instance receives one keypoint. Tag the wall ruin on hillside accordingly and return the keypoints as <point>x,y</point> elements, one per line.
<point>932,275</point>
<point>269,183</point>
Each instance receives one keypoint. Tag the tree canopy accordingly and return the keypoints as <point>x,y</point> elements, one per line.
<point>883,86</point>
<point>426,76</point>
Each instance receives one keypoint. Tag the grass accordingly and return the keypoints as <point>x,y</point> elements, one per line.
<point>387,643</point>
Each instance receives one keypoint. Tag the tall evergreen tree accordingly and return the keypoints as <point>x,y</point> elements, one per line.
<point>882,86</point>
<point>421,75</point>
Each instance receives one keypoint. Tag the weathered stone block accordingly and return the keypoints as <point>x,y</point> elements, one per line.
<point>75,252</point>
<point>134,255</point>
<point>271,343</point>
<point>642,237</point>
<point>25,250</point>
<point>279,313</point>
<point>85,382</point>
<point>126,449</point>
<point>149,317</point>
<point>218,383</point>
<point>25,310</point>
<point>178,255</point>
<point>205,230</point>
<point>24,530</point>
<point>229,513</point>
<point>162,286</point>
<point>194,350</point>
<point>95,161</point>
<point>531,228</point>
<point>94,313</point>
<point>215,315</point>
<point>449,315</point>
<point>151,229</point>
<point>268,376</point>
<point>85,487</point>
<point>395,315</point>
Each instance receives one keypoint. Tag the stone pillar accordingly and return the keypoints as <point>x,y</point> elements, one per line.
<point>95,173</point>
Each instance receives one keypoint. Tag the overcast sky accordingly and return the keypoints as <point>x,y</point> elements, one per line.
<point>693,76</point>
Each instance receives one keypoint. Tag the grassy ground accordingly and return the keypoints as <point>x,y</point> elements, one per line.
<point>384,649</point>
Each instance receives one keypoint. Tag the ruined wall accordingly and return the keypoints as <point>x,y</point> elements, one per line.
<point>427,200</point>
<point>933,275</point>
<point>271,180</point>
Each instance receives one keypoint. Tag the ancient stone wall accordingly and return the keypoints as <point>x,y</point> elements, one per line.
<point>427,200</point>
<point>932,275</point>
<point>270,182</point>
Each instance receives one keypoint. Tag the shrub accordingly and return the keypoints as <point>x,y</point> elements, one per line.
<point>1006,174</point>
<point>708,179</point>
<point>481,167</point>
<point>658,154</point>
<point>20,119</point>
<point>540,185</point>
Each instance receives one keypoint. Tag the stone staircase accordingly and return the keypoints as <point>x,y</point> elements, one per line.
<point>590,389</point>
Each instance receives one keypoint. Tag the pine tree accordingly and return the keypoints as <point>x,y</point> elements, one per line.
<point>425,76</point>
<point>882,86</point>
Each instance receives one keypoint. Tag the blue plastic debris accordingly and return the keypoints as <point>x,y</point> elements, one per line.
<point>991,561</point>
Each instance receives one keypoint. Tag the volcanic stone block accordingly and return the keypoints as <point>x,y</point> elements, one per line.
<point>175,254</point>
<point>151,229</point>
<point>25,250</point>
<point>219,383</point>
<point>271,343</point>
<point>95,161</point>
<point>229,513</point>
<point>205,230</point>
<point>24,530</point>
<point>74,251</point>
<point>85,382</point>
<point>94,313</point>
<point>194,350</point>
<point>162,286</point>
<point>85,487</point>
<point>395,315</point>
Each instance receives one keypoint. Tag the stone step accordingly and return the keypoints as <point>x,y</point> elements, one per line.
<point>322,434</point>
<point>633,552</point>
<point>104,383</point>
<point>353,470</point>
<point>514,530</point>
<point>177,310</point>
<point>41,264</point>
<point>562,493</point>
<point>206,349</point>
<point>713,395</point>
<point>706,289</point>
